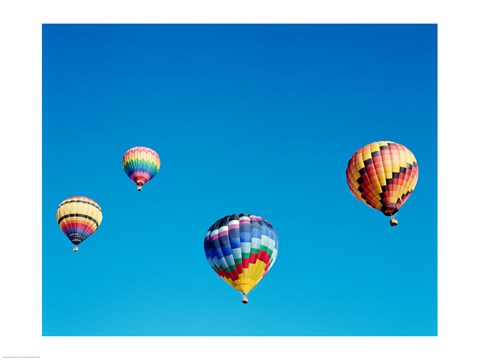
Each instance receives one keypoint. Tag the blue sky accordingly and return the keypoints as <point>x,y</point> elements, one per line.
<point>246,118</point>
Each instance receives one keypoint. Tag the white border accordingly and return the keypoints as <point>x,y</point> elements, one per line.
<point>20,204</point>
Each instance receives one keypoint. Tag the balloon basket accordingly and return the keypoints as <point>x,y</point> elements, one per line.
<point>244,299</point>
<point>393,221</point>
<point>139,188</point>
<point>75,248</point>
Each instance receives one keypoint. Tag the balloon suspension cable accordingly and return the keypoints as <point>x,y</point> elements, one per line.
<point>393,221</point>
<point>244,298</point>
<point>75,248</point>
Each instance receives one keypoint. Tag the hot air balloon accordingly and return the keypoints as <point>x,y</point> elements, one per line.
<point>241,249</point>
<point>383,175</point>
<point>141,164</point>
<point>78,217</point>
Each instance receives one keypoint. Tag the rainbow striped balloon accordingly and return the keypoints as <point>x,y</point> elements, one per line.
<point>383,175</point>
<point>241,249</point>
<point>141,164</point>
<point>79,217</point>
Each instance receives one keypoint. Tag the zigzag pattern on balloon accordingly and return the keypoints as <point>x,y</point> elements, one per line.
<point>382,175</point>
<point>141,164</point>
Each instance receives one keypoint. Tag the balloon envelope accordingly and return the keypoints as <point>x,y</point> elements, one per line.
<point>241,249</point>
<point>382,175</point>
<point>78,218</point>
<point>141,164</point>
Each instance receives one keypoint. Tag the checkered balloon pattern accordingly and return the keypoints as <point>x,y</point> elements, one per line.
<point>241,249</point>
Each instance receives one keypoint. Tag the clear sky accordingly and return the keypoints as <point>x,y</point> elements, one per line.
<point>259,119</point>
